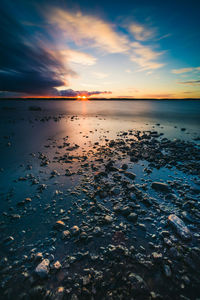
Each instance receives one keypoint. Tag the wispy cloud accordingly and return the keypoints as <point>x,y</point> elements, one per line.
<point>140,32</point>
<point>185,70</point>
<point>163,37</point>
<point>190,82</point>
<point>88,29</point>
<point>91,31</point>
<point>145,57</point>
<point>78,57</point>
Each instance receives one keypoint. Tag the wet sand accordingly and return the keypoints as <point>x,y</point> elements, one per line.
<point>99,203</point>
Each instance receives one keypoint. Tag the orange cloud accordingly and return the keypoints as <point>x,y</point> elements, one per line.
<point>186,70</point>
<point>88,29</point>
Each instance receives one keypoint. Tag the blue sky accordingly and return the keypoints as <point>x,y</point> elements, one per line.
<point>100,48</point>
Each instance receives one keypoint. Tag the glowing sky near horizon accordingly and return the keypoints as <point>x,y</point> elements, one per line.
<point>102,48</point>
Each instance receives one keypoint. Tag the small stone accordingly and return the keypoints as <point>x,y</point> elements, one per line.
<point>57,265</point>
<point>133,197</point>
<point>117,208</point>
<point>75,230</point>
<point>124,166</point>
<point>54,173</point>
<point>130,175</point>
<point>132,217</point>
<point>167,271</point>
<point>9,240</point>
<point>59,225</point>
<point>134,278</point>
<point>68,172</point>
<point>21,203</point>
<point>108,219</point>
<point>86,279</point>
<point>28,199</point>
<point>142,226</point>
<point>97,231</point>
<point>65,234</point>
<point>125,210</point>
<point>115,191</point>
<point>160,186</point>
<point>15,216</point>
<point>39,256</point>
<point>74,297</point>
<point>157,256</point>
<point>83,235</point>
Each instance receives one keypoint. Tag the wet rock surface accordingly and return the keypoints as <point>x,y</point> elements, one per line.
<point>180,227</point>
<point>102,216</point>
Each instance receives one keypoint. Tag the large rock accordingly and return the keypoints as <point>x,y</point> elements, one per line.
<point>180,227</point>
<point>42,270</point>
<point>160,186</point>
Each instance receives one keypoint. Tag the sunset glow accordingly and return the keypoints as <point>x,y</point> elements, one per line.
<point>67,49</point>
<point>82,97</point>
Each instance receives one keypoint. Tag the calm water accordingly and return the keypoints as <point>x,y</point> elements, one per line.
<point>178,111</point>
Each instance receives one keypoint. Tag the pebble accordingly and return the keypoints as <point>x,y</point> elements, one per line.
<point>130,175</point>
<point>167,271</point>
<point>65,234</point>
<point>108,219</point>
<point>75,230</point>
<point>132,217</point>
<point>57,265</point>
<point>59,224</point>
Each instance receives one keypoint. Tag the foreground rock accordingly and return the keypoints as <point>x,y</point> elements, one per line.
<point>180,227</point>
<point>42,270</point>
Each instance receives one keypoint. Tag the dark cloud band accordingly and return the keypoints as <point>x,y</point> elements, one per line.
<point>26,65</point>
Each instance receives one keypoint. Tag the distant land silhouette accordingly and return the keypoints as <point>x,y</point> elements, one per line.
<point>95,99</point>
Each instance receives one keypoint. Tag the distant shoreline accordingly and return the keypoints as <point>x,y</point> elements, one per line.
<point>99,99</point>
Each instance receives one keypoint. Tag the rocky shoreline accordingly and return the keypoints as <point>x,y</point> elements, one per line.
<point>122,218</point>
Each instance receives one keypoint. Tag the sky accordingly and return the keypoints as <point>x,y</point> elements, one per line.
<point>122,49</point>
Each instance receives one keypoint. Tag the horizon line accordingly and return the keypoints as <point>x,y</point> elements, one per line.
<point>90,98</point>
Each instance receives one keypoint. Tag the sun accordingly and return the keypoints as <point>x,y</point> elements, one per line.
<point>82,97</point>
